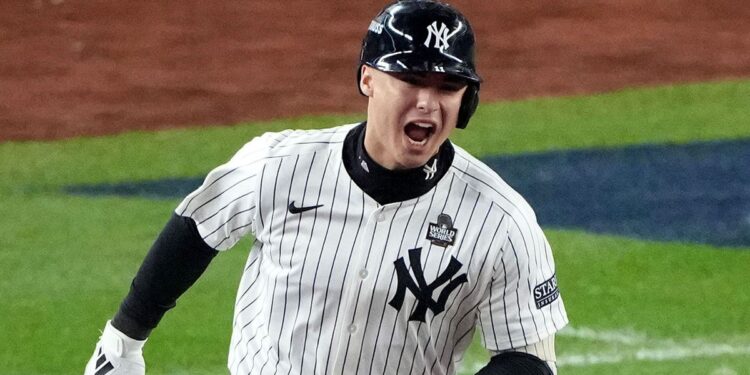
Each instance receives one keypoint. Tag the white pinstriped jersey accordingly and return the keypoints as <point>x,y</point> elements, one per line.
<point>355,287</point>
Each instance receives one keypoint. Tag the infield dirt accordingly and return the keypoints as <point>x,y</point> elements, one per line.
<point>72,68</point>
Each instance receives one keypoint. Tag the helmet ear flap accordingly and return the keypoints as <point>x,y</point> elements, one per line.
<point>469,104</point>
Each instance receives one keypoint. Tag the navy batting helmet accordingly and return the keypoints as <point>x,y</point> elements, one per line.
<point>423,36</point>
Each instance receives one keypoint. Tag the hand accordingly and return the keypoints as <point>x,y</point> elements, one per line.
<point>116,354</point>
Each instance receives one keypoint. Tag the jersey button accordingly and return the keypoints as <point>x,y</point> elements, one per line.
<point>363,274</point>
<point>352,328</point>
<point>380,217</point>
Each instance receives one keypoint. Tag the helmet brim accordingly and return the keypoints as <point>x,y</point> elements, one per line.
<point>425,61</point>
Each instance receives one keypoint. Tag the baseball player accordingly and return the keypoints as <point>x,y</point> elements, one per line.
<point>379,247</point>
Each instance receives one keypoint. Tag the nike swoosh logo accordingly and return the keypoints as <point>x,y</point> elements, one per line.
<point>298,210</point>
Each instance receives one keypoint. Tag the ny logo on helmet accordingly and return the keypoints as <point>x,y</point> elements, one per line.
<point>441,36</point>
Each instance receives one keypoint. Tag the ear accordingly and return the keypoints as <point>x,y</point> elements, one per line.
<point>365,80</point>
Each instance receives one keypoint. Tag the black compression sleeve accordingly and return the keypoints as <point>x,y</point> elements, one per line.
<point>176,260</point>
<point>515,363</point>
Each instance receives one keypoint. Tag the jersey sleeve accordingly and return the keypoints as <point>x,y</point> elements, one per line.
<point>523,305</point>
<point>224,206</point>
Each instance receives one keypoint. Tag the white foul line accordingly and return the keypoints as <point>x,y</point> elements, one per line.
<point>652,354</point>
<point>627,337</point>
<point>641,348</point>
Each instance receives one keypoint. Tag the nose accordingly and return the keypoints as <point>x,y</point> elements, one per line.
<point>428,99</point>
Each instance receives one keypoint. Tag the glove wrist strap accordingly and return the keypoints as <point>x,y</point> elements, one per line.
<point>118,343</point>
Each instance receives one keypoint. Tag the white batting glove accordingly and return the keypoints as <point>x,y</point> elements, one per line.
<point>116,354</point>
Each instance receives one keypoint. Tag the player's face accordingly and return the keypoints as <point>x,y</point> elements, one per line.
<point>409,115</point>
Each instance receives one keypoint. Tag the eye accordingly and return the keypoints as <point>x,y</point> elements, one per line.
<point>452,86</point>
<point>412,79</point>
<point>448,84</point>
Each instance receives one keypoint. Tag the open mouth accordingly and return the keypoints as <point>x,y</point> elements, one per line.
<point>419,132</point>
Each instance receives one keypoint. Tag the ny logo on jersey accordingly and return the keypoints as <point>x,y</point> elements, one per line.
<point>441,36</point>
<point>419,287</point>
<point>429,171</point>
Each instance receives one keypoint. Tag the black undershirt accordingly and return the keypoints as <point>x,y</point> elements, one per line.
<point>176,260</point>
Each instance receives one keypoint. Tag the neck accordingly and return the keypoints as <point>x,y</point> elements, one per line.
<point>375,153</point>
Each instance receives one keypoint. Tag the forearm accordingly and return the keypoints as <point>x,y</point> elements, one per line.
<point>176,260</point>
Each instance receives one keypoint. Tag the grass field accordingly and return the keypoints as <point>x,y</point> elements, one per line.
<point>636,307</point>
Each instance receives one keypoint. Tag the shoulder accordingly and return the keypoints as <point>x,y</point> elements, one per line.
<point>251,158</point>
<point>480,177</point>
<point>292,142</point>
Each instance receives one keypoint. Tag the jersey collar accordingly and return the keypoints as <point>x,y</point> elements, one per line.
<point>388,186</point>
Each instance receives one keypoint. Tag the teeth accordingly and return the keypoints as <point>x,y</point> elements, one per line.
<point>423,125</point>
<point>420,143</point>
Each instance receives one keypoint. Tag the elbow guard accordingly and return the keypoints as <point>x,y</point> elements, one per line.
<point>515,363</point>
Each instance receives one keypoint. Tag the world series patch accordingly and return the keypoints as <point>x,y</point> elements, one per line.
<point>442,233</point>
<point>546,292</point>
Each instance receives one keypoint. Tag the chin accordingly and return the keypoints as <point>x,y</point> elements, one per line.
<point>413,161</point>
